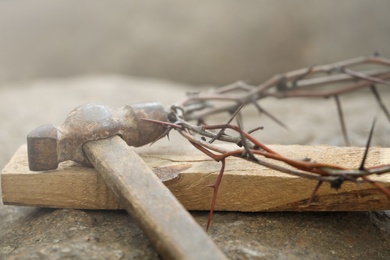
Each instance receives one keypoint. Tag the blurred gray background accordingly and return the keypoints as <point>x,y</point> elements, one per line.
<point>56,55</point>
<point>195,42</point>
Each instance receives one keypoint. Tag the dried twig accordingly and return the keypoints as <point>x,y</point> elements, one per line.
<point>255,150</point>
<point>291,84</point>
<point>315,81</point>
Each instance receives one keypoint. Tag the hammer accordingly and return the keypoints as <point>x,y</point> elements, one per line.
<point>100,136</point>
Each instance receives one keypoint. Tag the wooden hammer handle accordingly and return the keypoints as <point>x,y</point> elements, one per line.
<point>171,229</point>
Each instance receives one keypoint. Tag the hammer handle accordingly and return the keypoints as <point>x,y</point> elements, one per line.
<point>171,229</point>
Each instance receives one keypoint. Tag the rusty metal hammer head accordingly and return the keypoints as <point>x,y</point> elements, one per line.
<point>49,145</point>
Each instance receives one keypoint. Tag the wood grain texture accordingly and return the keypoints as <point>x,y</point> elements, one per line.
<point>187,173</point>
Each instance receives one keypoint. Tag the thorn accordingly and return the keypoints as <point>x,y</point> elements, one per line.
<point>363,76</point>
<point>362,168</point>
<point>211,186</point>
<point>248,153</point>
<point>165,133</point>
<point>222,131</point>
<point>342,122</point>
<point>272,117</point>
<point>255,129</point>
<point>319,183</point>
<point>380,102</point>
<point>216,187</point>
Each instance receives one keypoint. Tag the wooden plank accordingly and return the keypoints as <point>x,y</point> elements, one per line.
<point>187,173</point>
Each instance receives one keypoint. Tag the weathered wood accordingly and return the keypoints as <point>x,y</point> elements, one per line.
<point>171,229</point>
<point>187,172</point>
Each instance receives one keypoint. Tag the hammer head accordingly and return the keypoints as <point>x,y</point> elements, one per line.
<point>49,145</point>
<point>42,148</point>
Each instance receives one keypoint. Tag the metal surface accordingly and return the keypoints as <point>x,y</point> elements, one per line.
<point>49,145</point>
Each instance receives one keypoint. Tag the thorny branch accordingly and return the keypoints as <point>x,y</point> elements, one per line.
<point>322,81</point>
<point>307,82</point>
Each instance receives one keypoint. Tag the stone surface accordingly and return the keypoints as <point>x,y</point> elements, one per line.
<point>36,233</point>
<point>77,234</point>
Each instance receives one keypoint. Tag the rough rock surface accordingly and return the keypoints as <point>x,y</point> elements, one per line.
<point>36,233</point>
